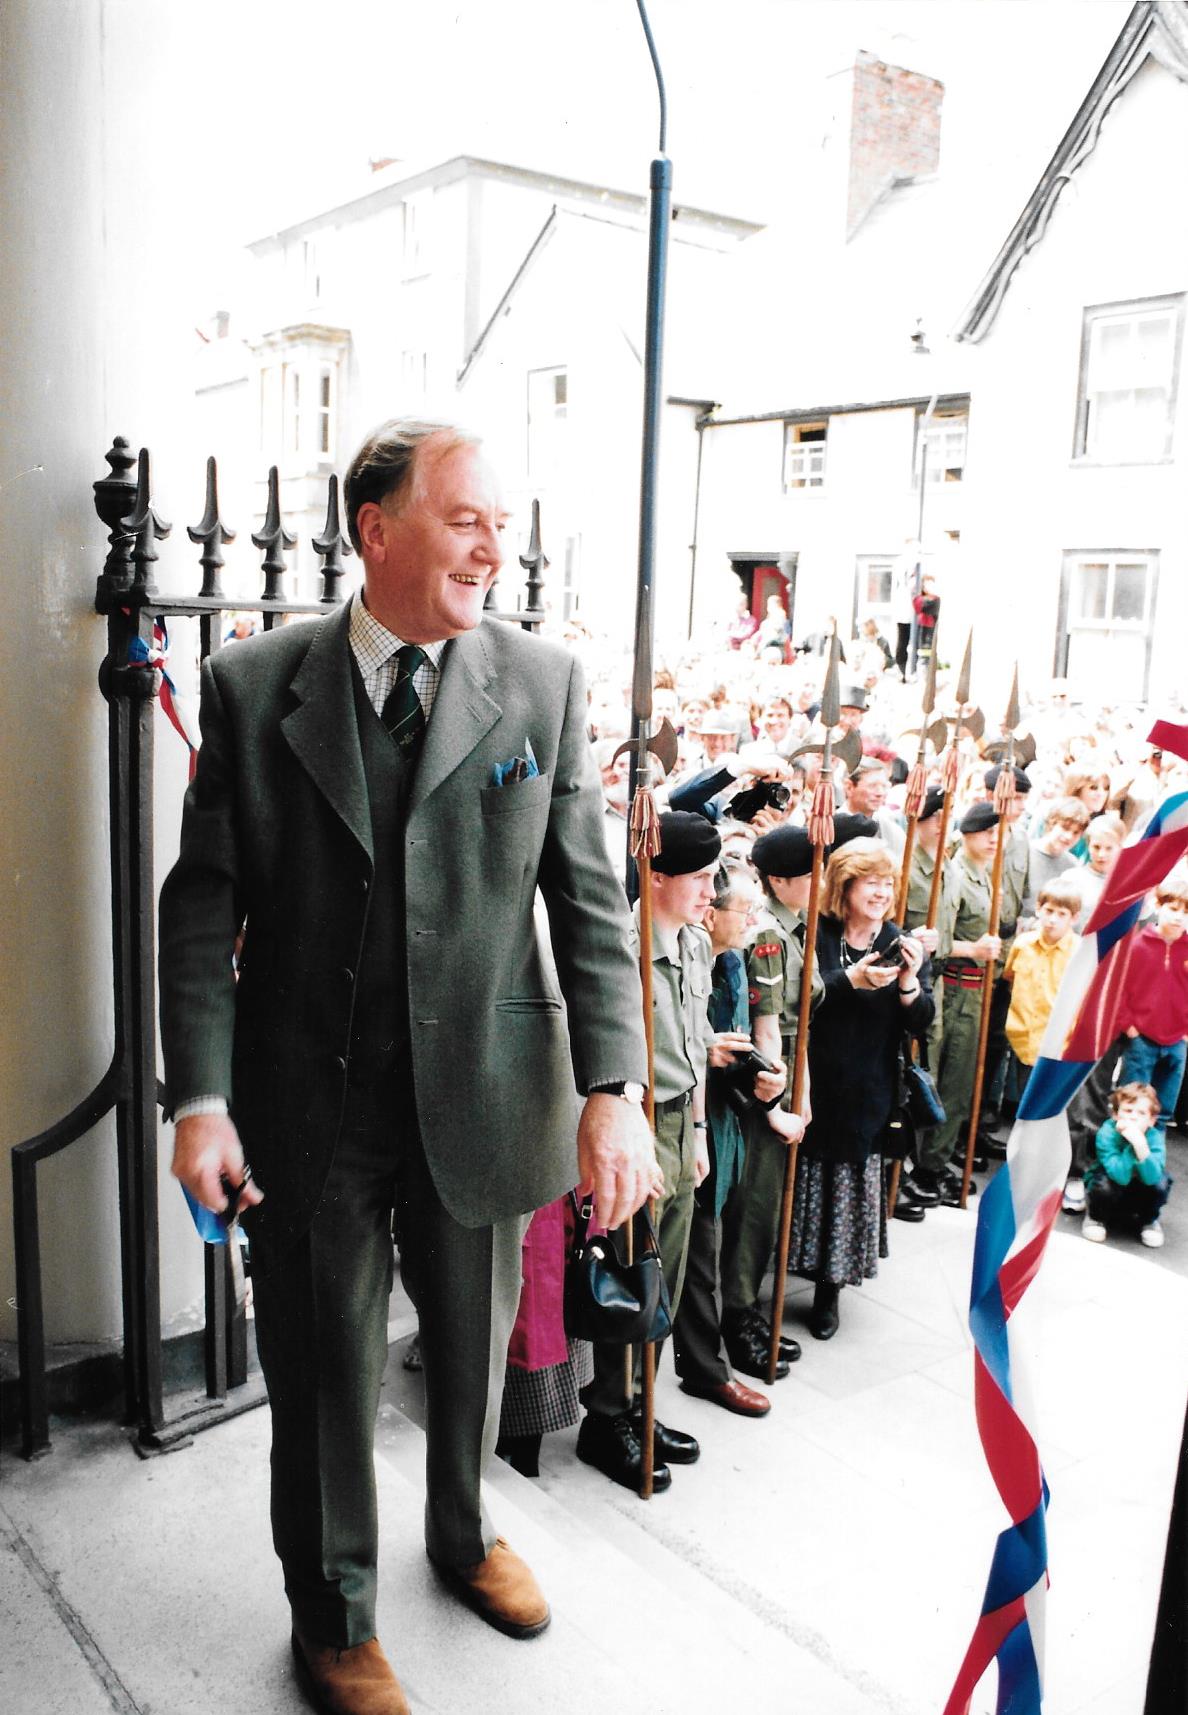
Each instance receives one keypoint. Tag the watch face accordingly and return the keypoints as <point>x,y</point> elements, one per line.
<point>633,1092</point>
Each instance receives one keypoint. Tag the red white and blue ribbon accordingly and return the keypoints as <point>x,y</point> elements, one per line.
<point>178,709</point>
<point>1015,1219</point>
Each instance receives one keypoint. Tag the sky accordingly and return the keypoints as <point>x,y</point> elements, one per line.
<point>288,113</point>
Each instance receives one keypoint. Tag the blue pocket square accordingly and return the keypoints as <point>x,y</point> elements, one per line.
<point>515,768</point>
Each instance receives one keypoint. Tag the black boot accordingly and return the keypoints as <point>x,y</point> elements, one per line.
<point>825,1321</point>
<point>522,1453</point>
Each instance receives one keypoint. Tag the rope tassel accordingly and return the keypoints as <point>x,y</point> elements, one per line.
<point>952,769</point>
<point>820,816</point>
<point>917,788</point>
<point>1004,790</point>
<point>645,824</point>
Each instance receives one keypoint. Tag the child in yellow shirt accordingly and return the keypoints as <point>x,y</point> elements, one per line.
<point>1034,968</point>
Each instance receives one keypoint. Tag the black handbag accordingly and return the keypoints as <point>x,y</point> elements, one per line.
<point>923,1098</point>
<point>619,1303</point>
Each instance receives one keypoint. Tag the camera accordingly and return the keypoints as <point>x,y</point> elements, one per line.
<point>737,1081</point>
<point>892,957</point>
<point>764,795</point>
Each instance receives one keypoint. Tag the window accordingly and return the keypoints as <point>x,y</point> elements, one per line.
<point>298,411</point>
<point>1129,371</point>
<point>414,376</point>
<point>1104,635</point>
<point>940,448</point>
<point>571,577</point>
<point>874,590</point>
<point>415,241</point>
<point>548,413</point>
<point>804,455</point>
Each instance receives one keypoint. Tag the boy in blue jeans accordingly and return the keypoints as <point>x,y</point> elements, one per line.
<point>1128,1183</point>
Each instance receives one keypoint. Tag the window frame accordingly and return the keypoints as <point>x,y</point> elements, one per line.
<point>793,427</point>
<point>1092,316</point>
<point>1070,560</point>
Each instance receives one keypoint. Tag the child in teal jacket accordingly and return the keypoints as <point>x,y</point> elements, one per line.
<point>1128,1184</point>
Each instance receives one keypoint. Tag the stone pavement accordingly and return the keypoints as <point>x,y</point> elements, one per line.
<point>827,1560</point>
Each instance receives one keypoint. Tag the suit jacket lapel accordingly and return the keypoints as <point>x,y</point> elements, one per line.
<point>323,731</point>
<point>463,713</point>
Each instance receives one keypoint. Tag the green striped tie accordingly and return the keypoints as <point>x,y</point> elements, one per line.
<point>402,713</point>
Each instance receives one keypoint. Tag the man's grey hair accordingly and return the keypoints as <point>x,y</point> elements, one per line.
<point>385,466</point>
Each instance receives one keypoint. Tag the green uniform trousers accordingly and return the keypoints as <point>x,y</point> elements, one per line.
<point>322,1334</point>
<point>958,1058</point>
<point>606,1395</point>
<point>751,1219</point>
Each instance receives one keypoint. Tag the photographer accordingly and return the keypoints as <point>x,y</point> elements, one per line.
<point>754,773</point>
<point>876,989</point>
<point>738,1080</point>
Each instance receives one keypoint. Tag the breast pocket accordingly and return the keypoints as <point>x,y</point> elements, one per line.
<point>516,797</point>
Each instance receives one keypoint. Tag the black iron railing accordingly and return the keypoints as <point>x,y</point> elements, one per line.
<point>127,595</point>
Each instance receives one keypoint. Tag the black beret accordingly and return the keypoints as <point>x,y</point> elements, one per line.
<point>1022,782</point>
<point>847,826</point>
<point>933,799</point>
<point>785,851</point>
<point>979,817</point>
<point>687,843</point>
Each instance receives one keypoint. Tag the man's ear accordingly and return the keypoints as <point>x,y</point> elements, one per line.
<point>370,523</point>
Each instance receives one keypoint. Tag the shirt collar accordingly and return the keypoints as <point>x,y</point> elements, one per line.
<point>376,640</point>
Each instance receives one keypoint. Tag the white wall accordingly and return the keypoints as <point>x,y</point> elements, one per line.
<point>1117,234</point>
<point>94,215</point>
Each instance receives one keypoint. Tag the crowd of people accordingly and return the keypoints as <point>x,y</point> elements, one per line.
<point>730,893</point>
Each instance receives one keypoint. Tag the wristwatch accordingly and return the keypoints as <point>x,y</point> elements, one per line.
<point>624,1087</point>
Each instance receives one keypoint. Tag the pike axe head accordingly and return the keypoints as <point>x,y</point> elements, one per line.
<point>1024,747</point>
<point>847,749</point>
<point>662,744</point>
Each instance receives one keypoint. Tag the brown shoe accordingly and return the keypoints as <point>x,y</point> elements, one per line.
<point>734,1396</point>
<point>502,1591</point>
<point>355,1681</point>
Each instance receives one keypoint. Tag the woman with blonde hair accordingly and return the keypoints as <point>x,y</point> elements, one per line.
<point>876,992</point>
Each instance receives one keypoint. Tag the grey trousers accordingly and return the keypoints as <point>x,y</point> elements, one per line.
<point>321,1329</point>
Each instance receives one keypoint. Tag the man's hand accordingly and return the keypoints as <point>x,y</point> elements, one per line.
<point>206,1146</point>
<point>788,1126</point>
<point>701,1160</point>
<point>726,1045</point>
<point>769,1085</point>
<point>928,938</point>
<point>986,948</point>
<point>616,1159</point>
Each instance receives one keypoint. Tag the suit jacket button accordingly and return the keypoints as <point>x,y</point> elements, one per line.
<point>347,975</point>
<point>364,884</point>
<point>339,1063</point>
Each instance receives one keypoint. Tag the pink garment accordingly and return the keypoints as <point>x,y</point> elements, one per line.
<point>538,1338</point>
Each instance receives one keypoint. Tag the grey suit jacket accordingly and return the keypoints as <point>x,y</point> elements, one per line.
<point>276,831</point>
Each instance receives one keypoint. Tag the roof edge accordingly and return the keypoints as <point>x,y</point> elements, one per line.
<point>1154,29</point>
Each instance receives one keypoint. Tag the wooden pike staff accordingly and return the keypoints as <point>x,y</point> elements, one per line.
<point>1004,793</point>
<point>820,833</point>
<point>949,777</point>
<point>913,803</point>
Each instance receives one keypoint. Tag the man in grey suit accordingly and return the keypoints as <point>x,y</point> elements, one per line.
<point>379,798</point>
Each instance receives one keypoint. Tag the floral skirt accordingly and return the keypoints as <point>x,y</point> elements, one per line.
<point>839,1219</point>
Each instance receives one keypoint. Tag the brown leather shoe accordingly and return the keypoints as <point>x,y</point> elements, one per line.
<point>734,1396</point>
<point>502,1591</point>
<point>356,1681</point>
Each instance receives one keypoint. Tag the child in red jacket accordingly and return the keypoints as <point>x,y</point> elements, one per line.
<point>1154,1007</point>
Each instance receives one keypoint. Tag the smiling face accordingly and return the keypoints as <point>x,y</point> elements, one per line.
<point>867,792</point>
<point>430,559</point>
<point>868,898</point>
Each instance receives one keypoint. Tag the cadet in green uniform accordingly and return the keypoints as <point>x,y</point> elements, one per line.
<point>682,891</point>
<point>923,869</point>
<point>1016,881</point>
<point>963,973</point>
<point>750,1222</point>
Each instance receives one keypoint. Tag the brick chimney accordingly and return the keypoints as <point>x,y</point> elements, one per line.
<point>894,131</point>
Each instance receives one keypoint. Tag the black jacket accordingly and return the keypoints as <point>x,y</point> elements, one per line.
<point>853,1051</point>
